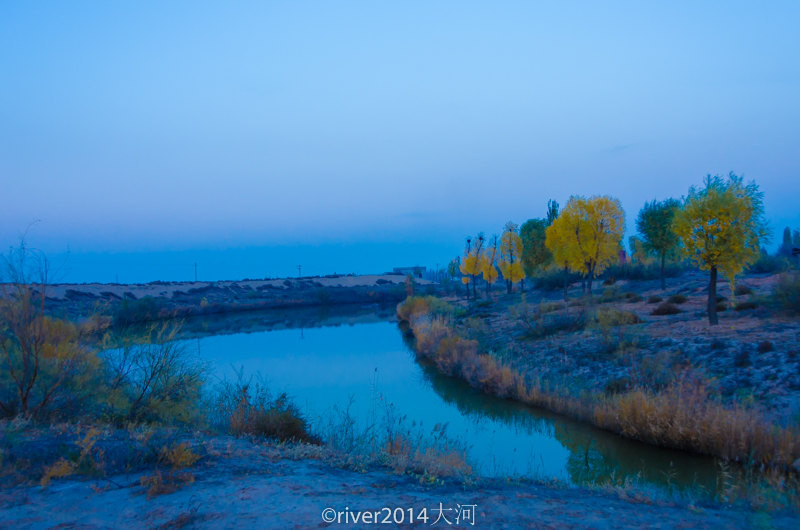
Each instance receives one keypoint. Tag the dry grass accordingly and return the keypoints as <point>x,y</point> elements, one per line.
<point>176,459</point>
<point>681,416</point>
<point>245,407</point>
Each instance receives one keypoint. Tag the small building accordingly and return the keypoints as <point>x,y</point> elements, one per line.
<point>415,271</point>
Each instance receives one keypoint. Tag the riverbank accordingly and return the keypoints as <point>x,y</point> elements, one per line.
<point>127,304</point>
<point>622,364</point>
<point>231,482</point>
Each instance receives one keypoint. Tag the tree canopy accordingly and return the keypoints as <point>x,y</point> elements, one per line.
<point>586,235</point>
<point>721,227</point>
<point>511,255</point>
<point>655,225</point>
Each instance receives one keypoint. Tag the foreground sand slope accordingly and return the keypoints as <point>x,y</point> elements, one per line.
<point>239,484</point>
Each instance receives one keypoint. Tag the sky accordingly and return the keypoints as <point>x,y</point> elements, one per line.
<point>139,138</point>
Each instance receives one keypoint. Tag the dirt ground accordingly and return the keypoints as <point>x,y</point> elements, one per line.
<point>239,484</point>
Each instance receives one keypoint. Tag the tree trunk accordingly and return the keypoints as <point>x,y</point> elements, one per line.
<point>474,296</point>
<point>712,298</point>
<point>522,285</point>
<point>508,286</point>
<point>663,282</point>
<point>589,282</point>
<point>566,274</point>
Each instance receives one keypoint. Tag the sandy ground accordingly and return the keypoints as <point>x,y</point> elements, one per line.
<point>168,289</point>
<point>243,485</point>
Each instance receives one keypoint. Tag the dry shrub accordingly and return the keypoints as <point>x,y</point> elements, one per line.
<point>665,308</point>
<point>176,458</point>
<point>684,416</point>
<point>151,377</point>
<point>456,356</point>
<point>432,457</point>
<point>677,299</point>
<point>415,307</point>
<point>87,461</point>
<point>246,407</point>
<point>681,416</point>
<point>49,370</point>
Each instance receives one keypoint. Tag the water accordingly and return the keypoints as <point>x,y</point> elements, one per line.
<point>329,361</point>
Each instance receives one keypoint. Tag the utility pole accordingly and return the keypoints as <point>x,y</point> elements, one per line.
<point>299,269</point>
<point>195,272</point>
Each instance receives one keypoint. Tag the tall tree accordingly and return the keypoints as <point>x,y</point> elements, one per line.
<point>471,265</point>
<point>489,263</point>
<point>638,252</point>
<point>552,211</point>
<point>786,245</point>
<point>587,234</point>
<point>721,227</point>
<point>655,225</point>
<point>510,256</point>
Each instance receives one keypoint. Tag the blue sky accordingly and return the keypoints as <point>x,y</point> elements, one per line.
<point>388,131</point>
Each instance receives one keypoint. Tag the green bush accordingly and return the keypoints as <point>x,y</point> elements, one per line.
<point>654,299</point>
<point>787,293</point>
<point>767,264</point>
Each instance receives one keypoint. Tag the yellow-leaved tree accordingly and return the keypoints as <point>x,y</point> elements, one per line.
<point>511,256</point>
<point>721,227</point>
<point>471,266</point>
<point>489,264</point>
<point>586,235</point>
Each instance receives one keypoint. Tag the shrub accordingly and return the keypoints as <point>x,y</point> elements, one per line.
<point>417,306</point>
<point>245,407</point>
<point>742,359</point>
<point>741,289</point>
<point>721,306</point>
<point>766,264</point>
<point>133,311</point>
<point>49,368</point>
<point>654,299</point>
<point>176,459</point>
<point>633,297</point>
<point>553,279</point>
<point>742,306</point>
<point>665,308</point>
<point>550,324</point>
<point>765,346</point>
<point>610,316</point>
<point>787,293</point>
<point>642,272</point>
<point>150,377</point>
<point>677,299</point>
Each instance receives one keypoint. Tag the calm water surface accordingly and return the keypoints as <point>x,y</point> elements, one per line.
<point>362,361</point>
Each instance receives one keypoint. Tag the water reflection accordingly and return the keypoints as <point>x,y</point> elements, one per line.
<point>325,358</point>
<point>595,456</point>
